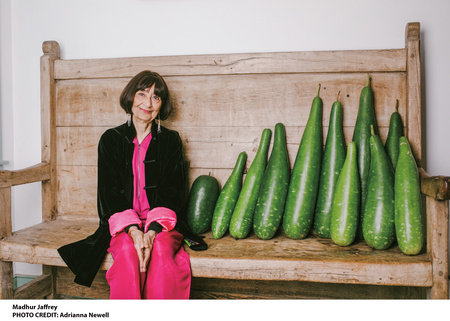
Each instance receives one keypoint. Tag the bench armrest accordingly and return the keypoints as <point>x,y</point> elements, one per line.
<point>36,173</point>
<point>436,187</point>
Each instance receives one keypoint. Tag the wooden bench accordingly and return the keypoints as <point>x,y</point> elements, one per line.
<point>222,104</point>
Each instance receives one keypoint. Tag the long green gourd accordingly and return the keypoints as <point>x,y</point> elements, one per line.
<point>333,159</point>
<point>361,136</point>
<point>409,228</point>
<point>378,213</point>
<point>392,145</point>
<point>242,218</point>
<point>346,201</point>
<point>302,192</point>
<point>272,195</point>
<point>228,198</point>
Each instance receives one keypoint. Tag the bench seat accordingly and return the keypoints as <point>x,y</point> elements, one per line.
<point>312,259</point>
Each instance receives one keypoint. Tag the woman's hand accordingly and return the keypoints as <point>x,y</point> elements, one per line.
<point>137,236</point>
<point>149,237</point>
<point>143,244</point>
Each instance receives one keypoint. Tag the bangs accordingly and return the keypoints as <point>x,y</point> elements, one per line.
<point>148,81</point>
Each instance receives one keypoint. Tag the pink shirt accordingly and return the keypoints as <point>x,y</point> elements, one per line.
<point>140,201</point>
<point>141,214</point>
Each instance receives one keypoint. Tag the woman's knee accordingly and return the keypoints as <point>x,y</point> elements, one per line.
<point>166,244</point>
<point>122,247</point>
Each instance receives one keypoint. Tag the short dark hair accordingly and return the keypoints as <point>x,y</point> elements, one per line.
<point>146,79</point>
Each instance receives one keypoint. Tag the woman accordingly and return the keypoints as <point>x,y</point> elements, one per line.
<point>141,194</point>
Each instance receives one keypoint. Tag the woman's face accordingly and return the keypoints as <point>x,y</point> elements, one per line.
<point>146,105</point>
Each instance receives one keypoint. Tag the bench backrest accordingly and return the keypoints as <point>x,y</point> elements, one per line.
<point>223,102</point>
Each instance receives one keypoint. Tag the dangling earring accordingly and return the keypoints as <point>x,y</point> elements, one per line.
<point>129,120</point>
<point>159,124</point>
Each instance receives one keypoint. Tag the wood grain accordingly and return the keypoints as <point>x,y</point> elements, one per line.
<point>36,173</point>
<point>437,242</point>
<point>312,259</point>
<point>67,288</point>
<point>48,127</point>
<point>5,212</point>
<point>205,288</point>
<point>414,90</point>
<point>281,62</point>
<point>39,288</point>
<point>6,268</point>
<point>6,280</point>
<point>235,101</point>
<point>205,147</point>
<point>437,187</point>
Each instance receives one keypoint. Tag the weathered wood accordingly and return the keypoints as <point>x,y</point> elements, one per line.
<point>414,94</point>
<point>204,288</point>
<point>39,172</point>
<point>77,186</point>
<point>38,288</point>
<point>436,187</point>
<point>244,100</point>
<point>50,270</point>
<point>77,190</point>
<point>5,212</point>
<point>312,259</point>
<point>66,287</point>
<point>6,279</point>
<point>48,129</point>
<point>281,62</point>
<point>437,243</point>
<point>6,268</point>
<point>202,145</point>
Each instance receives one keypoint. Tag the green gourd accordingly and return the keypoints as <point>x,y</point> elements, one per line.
<point>392,145</point>
<point>378,213</point>
<point>202,200</point>
<point>346,201</point>
<point>409,228</point>
<point>272,195</point>
<point>242,217</point>
<point>333,159</point>
<point>228,198</point>
<point>302,192</point>
<point>361,135</point>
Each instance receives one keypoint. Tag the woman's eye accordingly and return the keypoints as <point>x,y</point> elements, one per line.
<point>156,98</point>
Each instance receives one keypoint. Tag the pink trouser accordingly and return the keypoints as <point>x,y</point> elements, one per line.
<point>168,273</point>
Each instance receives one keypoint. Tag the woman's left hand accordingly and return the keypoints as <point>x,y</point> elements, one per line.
<point>149,237</point>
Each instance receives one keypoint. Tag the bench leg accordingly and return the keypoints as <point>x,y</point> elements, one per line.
<point>438,246</point>
<point>51,272</point>
<point>6,277</point>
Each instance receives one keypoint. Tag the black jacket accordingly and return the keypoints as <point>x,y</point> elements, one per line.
<point>166,186</point>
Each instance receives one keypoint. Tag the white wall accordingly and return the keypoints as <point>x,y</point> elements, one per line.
<point>116,28</point>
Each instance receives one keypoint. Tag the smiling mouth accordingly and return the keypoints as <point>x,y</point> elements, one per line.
<point>145,111</point>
